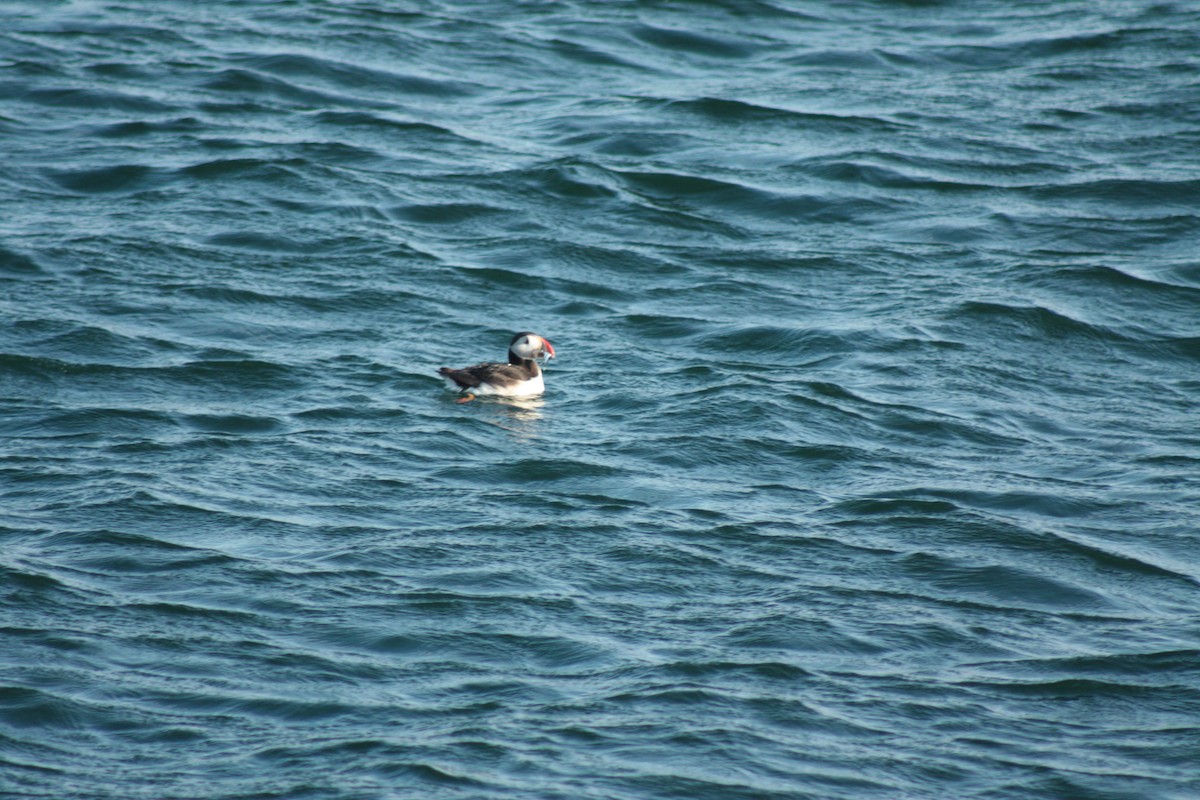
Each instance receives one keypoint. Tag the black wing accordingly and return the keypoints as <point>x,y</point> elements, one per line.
<point>495,374</point>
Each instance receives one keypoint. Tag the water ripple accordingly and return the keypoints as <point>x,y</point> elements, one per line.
<point>866,468</point>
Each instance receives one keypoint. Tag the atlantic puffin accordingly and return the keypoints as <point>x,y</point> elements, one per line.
<point>520,377</point>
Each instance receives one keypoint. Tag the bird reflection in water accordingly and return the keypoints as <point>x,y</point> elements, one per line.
<point>520,415</point>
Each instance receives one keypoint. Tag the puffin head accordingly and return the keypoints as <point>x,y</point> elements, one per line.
<point>531,346</point>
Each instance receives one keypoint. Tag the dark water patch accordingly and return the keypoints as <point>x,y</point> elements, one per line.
<point>52,640</point>
<point>263,706</point>
<point>1152,111</point>
<point>90,99</point>
<point>245,374</point>
<point>665,782</point>
<point>428,774</point>
<point>122,551</point>
<point>33,708</point>
<point>1101,236</point>
<point>233,424</point>
<point>541,652</point>
<point>1004,583</point>
<point>518,586</point>
<point>741,113</point>
<point>122,71</point>
<point>724,199</point>
<point>206,616</point>
<point>590,54</point>
<point>841,59</point>
<point>1157,668</point>
<point>27,583</point>
<point>903,506</point>
<point>446,213</point>
<point>1029,51</point>
<point>134,129</point>
<point>625,143</point>
<point>479,592</point>
<point>14,264</point>
<point>1109,560</point>
<point>198,377</point>
<point>799,635</point>
<point>345,156</point>
<point>352,77</point>
<point>1012,167</point>
<point>603,270</point>
<point>857,172</point>
<point>261,242</point>
<point>499,279</point>
<point>1033,322</point>
<point>366,119</point>
<point>97,422</point>
<point>794,268</point>
<point>916,427</point>
<point>1167,349</point>
<point>682,41</point>
<point>1184,347</point>
<point>1152,288</point>
<point>396,132</point>
<point>1080,43</point>
<point>78,27</point>
<point>349,213</point>
<point>958,518</point>
<point>485,691</point>
<point>811,455</point>
<point>233,109</point>
<point>106,180</point>
<point>695,452</point>
<point>576,308</point>
<point>10,125</point>
<point>756,671</point>
<point>799,343</point>
<point>825,396</point>
<point>249,83</point>
<point>379,750</point>
<point>25,63</point>
<point>676,185</point>
<point>1177,701</point>
<point>568,180</point>
<point>1040,504</point>
<point>276,171</point>
<point>349,416</point>
<point>233,296</point>
<point>532,471</point>
<point>664,327</point>
<point>1123,193</point>
<point>81,344</point>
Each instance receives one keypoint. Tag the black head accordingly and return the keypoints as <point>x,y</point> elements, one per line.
<point>527,345</point>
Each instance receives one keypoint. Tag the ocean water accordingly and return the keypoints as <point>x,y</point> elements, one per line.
<point>869,467</point>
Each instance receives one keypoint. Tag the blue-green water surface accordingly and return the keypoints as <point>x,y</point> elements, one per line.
<point>869,468</point>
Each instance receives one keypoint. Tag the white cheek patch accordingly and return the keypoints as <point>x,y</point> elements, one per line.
<point>523,347</point>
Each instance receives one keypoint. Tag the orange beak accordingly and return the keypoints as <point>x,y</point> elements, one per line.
<point>549,348</point>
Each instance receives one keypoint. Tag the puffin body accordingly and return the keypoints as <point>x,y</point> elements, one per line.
<point>520,377</point>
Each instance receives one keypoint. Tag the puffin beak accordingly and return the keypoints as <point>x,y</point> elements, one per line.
<point>547,349</point>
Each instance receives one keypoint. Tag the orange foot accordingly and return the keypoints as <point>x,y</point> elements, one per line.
<point>468,397</point>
